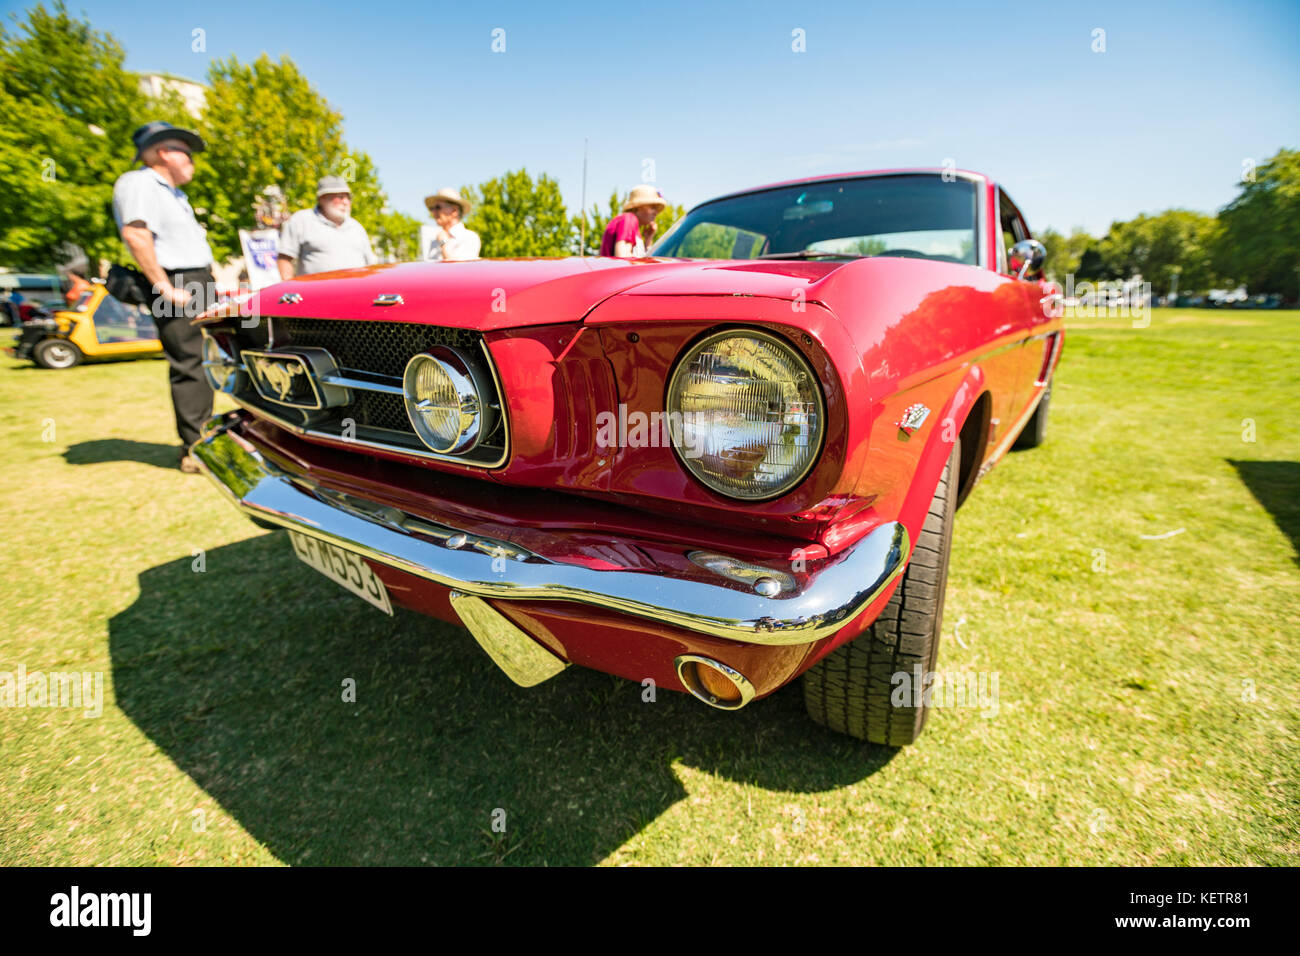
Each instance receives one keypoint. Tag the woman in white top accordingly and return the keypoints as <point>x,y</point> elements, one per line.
<point>451,241</point>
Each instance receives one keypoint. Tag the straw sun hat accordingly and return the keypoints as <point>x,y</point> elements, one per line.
<point>447,195</point>
<point>644,195</point>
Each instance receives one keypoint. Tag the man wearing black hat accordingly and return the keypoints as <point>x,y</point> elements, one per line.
<point>159,228</point>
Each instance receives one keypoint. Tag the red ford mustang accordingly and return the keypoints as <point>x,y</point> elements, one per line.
<point>717,468</point>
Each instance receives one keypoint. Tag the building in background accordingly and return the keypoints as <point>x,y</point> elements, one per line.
<point>192,92</point>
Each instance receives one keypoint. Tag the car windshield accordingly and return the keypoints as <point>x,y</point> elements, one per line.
<point>115,321</point>
<point>916,216</point>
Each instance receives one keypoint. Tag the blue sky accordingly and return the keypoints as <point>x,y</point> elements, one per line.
<point>714,95</point>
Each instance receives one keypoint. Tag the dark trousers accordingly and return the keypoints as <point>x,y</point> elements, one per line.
<point>183,344</point>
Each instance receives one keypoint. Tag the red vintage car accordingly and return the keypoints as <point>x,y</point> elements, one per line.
<point>718,468</point>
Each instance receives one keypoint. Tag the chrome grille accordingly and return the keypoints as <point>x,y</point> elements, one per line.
<point>382,350</point>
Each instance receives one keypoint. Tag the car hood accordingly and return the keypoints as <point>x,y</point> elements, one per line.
<point>504,293</point>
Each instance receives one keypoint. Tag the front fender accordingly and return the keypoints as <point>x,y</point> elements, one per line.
<point>953,419</point>
<point>908,468</point>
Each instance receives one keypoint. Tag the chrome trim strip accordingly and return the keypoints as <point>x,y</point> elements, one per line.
<point>830,597</point>
<point>1012,433</point>
<point>502,404</point>
<point>1049,362</point>
<point>366,381</point>
<point>420,451</point>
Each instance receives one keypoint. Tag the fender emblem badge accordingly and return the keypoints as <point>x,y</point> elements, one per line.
<point>290,298</point>
<point>913,418</point>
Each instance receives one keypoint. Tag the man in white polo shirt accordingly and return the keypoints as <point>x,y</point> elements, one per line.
<point>159,228</point>
<point>325,237</point>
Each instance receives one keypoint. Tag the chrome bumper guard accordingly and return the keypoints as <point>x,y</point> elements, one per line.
<point>471,564</point>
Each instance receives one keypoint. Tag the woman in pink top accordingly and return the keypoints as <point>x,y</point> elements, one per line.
<point>630,233</point>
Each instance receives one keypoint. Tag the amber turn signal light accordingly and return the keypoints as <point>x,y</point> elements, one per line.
<point>714,682</point>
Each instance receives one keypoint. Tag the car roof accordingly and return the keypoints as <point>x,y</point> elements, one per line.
<point>864,174</point>
<point>28,280</point>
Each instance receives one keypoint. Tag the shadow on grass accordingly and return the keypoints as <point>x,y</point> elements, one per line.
<point>123,449</point>
<point>236,674</point>
<point>1276,486</point>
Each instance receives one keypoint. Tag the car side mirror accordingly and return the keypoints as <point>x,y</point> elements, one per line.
<point>1026,259</point>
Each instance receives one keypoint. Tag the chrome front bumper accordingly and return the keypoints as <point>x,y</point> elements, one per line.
<point>471,564</point>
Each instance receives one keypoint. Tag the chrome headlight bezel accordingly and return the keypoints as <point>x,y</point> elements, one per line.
<point>217,358</point>
<point>692,464</point>
<point>474,414</point>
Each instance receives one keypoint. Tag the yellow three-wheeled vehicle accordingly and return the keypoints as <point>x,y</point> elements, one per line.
<point>98,326</point>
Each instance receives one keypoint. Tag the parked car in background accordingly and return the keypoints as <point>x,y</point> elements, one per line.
<point>719,468</point>
<point>97,326</point>
<point>20,292</point>
<point>1227,298</point>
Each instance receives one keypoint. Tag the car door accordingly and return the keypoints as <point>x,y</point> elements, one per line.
<point>1029,315</point>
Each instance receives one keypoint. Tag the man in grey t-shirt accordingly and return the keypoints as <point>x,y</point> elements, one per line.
<point>325,237</point>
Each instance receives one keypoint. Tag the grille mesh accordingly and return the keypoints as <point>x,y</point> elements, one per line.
<point>383,347</point>
<point>380,411</point>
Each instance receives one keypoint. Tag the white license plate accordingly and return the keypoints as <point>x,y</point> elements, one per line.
<point>342,567</point>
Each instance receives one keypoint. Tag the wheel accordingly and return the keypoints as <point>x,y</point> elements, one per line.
<point>850,689</point>
<point>56,353</point>
<point>1035,429</point>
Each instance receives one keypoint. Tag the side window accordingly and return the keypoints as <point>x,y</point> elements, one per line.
<point>1013,227</point>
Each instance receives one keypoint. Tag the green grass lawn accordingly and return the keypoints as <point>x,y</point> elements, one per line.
<point>1148,680</point>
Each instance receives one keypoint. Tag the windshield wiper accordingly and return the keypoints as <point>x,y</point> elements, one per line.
<point>812,254</point>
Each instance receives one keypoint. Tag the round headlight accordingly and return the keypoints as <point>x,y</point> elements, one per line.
<point>746,414</point>
<point>217,365</point>
<point>443,401</point>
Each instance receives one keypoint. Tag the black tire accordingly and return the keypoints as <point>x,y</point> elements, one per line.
<point>849,689</point>
<point>56,353</point>
<point>1035,430</point>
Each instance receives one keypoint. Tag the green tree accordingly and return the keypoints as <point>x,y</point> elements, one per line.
<point>709,240</point>
<point>598,219</point>
<point>1175,241</point>
<point>1065,254</point>
<point>394,235</point>
<point>265,124</point>
<point>1259,244</point>
<point>515,216</point>
<point>67,111</point>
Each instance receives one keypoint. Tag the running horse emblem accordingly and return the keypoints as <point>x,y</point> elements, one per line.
<point>278,375</point>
